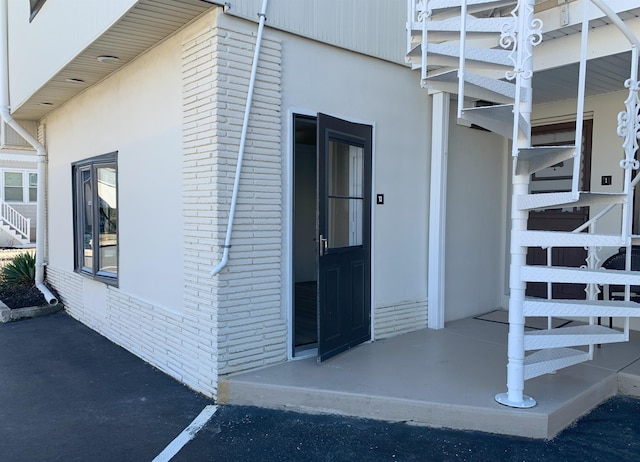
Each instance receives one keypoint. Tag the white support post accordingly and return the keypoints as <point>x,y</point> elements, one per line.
<point>515,396</point>
<point>438,209</point>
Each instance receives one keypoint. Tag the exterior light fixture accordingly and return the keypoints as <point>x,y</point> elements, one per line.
<point>105,59</point>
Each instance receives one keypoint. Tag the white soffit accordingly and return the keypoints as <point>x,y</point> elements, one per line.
<point>556,58</point>
<point>143,26</point>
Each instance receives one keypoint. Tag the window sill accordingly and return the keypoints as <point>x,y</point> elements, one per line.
<point>113,282</point>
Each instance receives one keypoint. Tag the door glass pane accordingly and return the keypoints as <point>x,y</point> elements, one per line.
<point>107,219</point>
<point>345,172</point>
<point>87,219</point>
<point>345,222</point>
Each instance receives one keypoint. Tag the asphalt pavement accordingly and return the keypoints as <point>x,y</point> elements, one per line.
<point>69,394</point>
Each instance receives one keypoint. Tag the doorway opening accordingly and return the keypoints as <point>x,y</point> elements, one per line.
<point>331,235</point>
<point>305,255</point>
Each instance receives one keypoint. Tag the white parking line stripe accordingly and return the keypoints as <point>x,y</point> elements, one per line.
<point>187,434</point>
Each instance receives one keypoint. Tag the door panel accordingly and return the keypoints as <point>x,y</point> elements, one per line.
<point>557,178</point>
<point>557,220</point>
<point>344,229</point>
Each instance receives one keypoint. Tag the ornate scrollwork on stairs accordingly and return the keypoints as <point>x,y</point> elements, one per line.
<point>423,11</point>
<point>593,262</point>
<point>532,31</point>
<point>629,125</point>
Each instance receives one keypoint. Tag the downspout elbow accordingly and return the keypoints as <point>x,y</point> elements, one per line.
<point>223,262</point>
<point>51,299</point>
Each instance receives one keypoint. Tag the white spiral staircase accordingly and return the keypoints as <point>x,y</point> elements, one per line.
<point>483,50</point>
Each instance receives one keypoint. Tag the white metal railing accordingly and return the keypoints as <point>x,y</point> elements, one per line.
<point>628,126</point>
<point>629,129</point>
<point>16,220</point>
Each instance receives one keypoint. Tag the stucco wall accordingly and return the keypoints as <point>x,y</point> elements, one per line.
<point>318,78</point>
<point>179,108</point>
<point>475,247</point>
<point>137,112</point>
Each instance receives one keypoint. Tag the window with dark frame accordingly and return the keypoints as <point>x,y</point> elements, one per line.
<point>95,215</point>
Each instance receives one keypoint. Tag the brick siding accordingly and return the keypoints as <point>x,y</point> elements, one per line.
<point>244,300</point>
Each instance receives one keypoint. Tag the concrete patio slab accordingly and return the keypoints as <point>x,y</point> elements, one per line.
<point>445,378</point>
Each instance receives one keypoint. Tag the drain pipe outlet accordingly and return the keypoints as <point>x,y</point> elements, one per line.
<point>5,113</point>
<point>243,139</point>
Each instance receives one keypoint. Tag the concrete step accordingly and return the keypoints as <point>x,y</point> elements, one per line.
<point>534,159</point>
<point>497,119</point>
<point>579,308</point>
<point>547,361</point>
<point>447,55</point>
<point>540,273</point>
<point>476,86</point>
<point>571,336</point>
<point>473,25</point>
<point>544,239</point>
<point>580,199</point>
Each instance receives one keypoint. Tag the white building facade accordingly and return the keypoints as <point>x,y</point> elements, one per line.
<point>142,153</point>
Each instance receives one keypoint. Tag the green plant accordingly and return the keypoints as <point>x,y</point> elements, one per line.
<point>20,270</point>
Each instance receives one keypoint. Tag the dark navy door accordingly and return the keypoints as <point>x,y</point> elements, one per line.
<point>344,228</point>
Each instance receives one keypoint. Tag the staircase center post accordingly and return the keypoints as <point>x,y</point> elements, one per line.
<point>520,186</point>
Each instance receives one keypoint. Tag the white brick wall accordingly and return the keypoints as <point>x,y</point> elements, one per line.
<point>234,321</point>
<point>400,319</point>
<point>245,298</point>
<point>177,343</point>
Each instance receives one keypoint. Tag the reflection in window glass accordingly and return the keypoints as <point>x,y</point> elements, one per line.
<point>108,207</point>
<point>87,219</point>
<point>345,194</point>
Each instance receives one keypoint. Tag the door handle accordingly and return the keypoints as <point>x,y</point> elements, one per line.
<point>323,245</point>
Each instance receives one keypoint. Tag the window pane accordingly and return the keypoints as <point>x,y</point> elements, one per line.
<point>87,219</point>
<point>13,194</point>
<point>33,187</point>
<point>107,219</point>
<point>13,187</point>
<point>13,179</point>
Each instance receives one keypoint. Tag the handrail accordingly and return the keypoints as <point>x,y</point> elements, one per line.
<point>15,220</point>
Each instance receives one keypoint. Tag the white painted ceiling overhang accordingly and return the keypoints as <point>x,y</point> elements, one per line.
<point>606,72</point>
<point>151,21</point>
<point>143,26</point>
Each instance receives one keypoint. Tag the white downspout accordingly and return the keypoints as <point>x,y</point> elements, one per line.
<point>243,139</point>
<point>40,150</point>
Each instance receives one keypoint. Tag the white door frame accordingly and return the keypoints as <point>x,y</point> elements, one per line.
<point>288,192</point>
